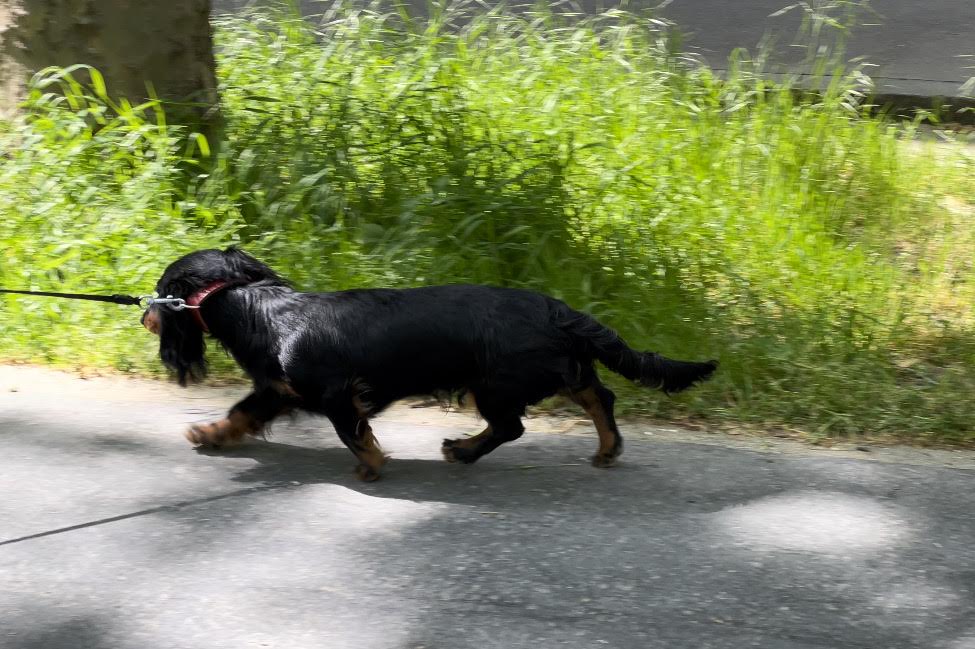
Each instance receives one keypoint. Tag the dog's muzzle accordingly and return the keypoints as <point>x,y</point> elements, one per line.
<point>151,321</point>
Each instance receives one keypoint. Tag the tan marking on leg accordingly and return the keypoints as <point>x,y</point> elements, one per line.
<point>369,452</point>
<point>360,400</point>
<point>283,387</point>
<point>361,407</point>
<point>226,431</point>
<point>473,440</point>
<point>606,455</point>
<point>467,401</point>
<point>464,442</point>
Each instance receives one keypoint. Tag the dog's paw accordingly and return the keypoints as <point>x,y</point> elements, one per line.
<point>366,473</point>
<point>447,448</point>
<point>448,451</point>
<point>454,452</point>
<point>603,460</point>
<point>215,435</point>
<point>205,435</point>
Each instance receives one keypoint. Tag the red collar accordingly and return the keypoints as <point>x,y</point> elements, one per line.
<point>196,299</point>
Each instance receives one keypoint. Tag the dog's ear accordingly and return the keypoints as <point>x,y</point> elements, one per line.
<point>181,345</point>
<point>246,267</point>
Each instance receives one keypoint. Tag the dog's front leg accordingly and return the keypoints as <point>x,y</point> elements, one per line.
<point>248,417</point>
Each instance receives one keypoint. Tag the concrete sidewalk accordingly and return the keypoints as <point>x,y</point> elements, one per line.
<point>922,49</point>
<point>115,534</point>
<point>920,54</point>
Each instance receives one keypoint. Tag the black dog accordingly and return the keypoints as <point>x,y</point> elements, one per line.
<point>348,355</point>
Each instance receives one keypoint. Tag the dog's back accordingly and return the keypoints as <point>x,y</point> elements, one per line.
<point>405,342</point>
<point>440,338</point>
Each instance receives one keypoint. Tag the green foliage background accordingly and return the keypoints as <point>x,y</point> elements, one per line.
<point>818,251</point>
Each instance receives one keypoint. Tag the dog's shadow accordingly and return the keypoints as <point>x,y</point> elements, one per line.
<point>524,474</point>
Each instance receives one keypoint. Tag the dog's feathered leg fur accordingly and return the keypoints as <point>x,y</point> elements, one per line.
<point>247,417</point>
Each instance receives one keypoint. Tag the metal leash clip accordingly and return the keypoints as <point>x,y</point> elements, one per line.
<point>174,303</point>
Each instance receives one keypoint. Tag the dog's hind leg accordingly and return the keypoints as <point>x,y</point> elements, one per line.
<point>248,417</point>
<point>463,442</point>
<point>597,400</point>
<point>356,433</point>
<point>504,425</point>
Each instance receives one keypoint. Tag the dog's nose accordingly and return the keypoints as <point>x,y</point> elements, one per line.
<point>150,320</point>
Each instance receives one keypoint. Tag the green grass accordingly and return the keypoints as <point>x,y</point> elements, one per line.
<point>793,236</point>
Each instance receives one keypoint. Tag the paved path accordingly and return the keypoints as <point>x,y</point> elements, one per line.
<point>921,49</point>
<point>114,534</point>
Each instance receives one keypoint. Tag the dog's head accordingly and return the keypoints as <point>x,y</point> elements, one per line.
<point>181,345</point>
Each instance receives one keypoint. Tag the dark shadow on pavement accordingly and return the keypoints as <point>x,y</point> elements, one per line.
<point>515,476</point>
<point>74,633</point>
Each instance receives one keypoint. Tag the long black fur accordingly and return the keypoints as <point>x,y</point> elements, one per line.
<point>181,344</point>
<point>509,347</point>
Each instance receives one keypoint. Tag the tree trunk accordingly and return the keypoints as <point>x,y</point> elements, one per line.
<point>165,45</point>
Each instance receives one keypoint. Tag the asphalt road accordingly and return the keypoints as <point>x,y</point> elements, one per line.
<point>917,49</point>
<point>115,534</point>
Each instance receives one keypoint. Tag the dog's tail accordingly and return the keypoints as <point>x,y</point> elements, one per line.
<point>646,368</point>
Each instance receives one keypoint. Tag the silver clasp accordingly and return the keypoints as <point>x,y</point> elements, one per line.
<point>174,303</point>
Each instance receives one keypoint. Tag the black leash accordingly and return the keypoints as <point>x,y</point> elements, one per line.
<point>145,301</point>
<point>114,299</point>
